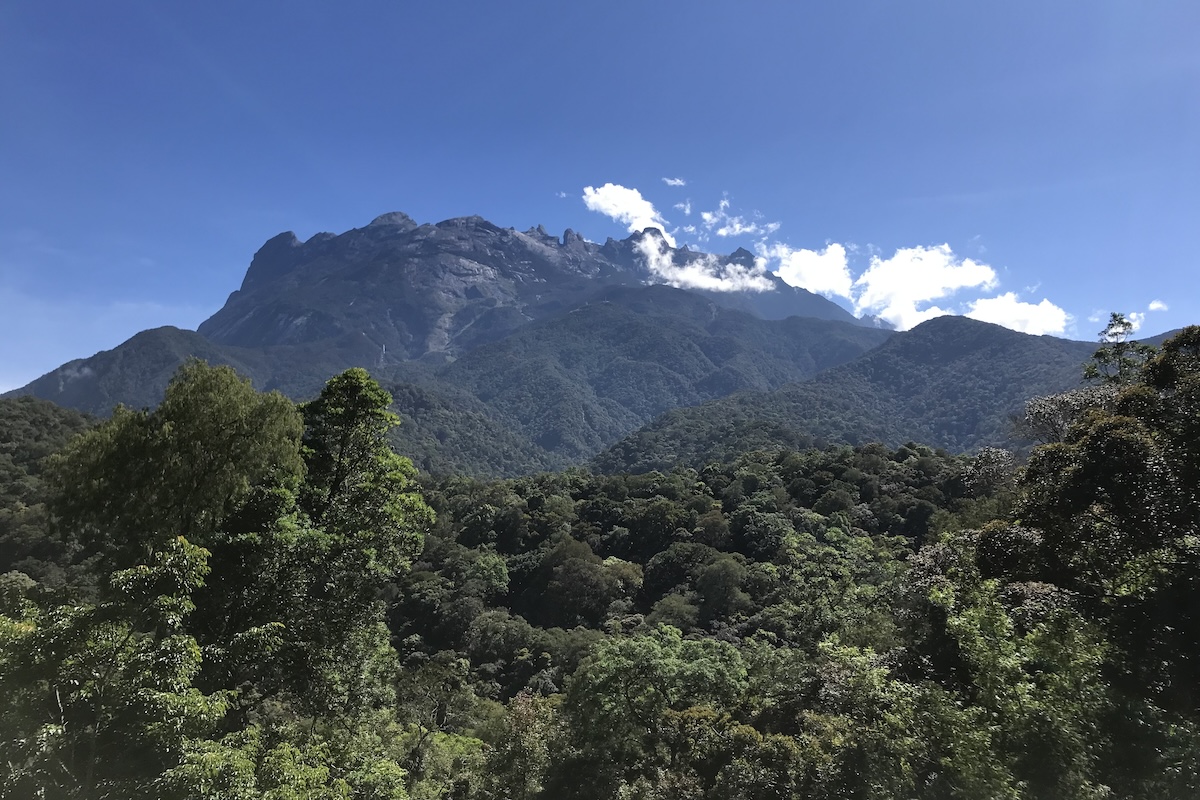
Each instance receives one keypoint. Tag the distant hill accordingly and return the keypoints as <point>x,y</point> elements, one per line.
<point>136,372</point>
<point>951,382</point>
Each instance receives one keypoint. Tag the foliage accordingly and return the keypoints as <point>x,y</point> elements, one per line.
<point>31,430</point>
<point>255,665</point>
<point>867,621</point>
<point>145,477</point>
<point>1119,358</point>
<point>98,697</point>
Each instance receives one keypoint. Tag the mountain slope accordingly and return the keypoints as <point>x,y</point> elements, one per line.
<point>951,382</point>
<point>446,431</point>
<point>135,373</point>
<point>552,394</point>
<point>580,381</point>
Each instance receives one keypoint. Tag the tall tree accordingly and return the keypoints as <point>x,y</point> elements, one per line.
<point>275,677</point>
<point>1119,358</point>
<point>145,477</point>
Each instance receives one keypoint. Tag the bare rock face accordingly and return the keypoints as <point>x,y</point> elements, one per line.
<point>434,291</point>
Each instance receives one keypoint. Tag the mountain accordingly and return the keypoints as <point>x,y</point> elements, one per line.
<point>513,352</point>
<point>556,392</point>
<point>951,382</point>
<point>435,291</point>
<point>508,352</point>
<point>136,372</point>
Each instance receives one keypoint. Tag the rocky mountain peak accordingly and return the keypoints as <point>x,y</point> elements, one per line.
<point>742,257</point>
<point>393,219</point>
<point>434,291</point>
<point>540,234</point>
<point>275,258</point>
<point>471,223</point>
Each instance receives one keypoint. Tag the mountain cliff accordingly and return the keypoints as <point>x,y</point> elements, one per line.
<point>433,292</point>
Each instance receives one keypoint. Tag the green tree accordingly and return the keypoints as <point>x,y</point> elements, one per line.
<point>1119,359</point>
<point>617,703</point>
<point>517,764</point>
<point>275,677</point>
<point>145,477</point>
<point>299,610</point>
<point>99,698</point>
<point>1117,506</point>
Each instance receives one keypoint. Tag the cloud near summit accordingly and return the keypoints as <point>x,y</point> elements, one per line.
<point>1007,310</point>
<point>825,272</point>
<point>896,288</point>
<point>911,286</point>
<point>696,271</point>
<point>702,271</point>
<point>906,288</point>
<point>626,206</point>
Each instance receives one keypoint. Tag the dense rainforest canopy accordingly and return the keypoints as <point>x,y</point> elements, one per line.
<point>232,596</point>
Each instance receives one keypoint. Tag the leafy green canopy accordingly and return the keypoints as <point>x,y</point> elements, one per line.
<point>236,648</point>
<point>841,623</point>
<point>145,477</point>
<point>31,430</point>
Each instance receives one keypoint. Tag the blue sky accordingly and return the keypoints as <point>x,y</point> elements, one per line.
<point>1030,162</point>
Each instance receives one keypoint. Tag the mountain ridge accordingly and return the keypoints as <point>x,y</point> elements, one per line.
<point>510,352</point>
<point>950,382</point>
<point>437,290</point>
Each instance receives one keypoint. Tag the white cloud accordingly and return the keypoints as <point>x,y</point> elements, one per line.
<point>896,287</point>
<point>560,195</point>
<point>825,271</point>
<point>626,206</point>
<point>711,218</point>
<point>703,272</point>
<point>722,223</point>
<point>674,181</point>
<point>1007,310</point>
<point>737,226</point>
<point>911,286</point>
<point>1136,318</point>
<point>1158,305</point>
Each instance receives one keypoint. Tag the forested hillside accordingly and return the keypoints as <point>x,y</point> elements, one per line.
<point>952,382</point>
<point>31,430</point>
<point>263,601</point>
<point>550,395</point>
<point>578,382</point>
